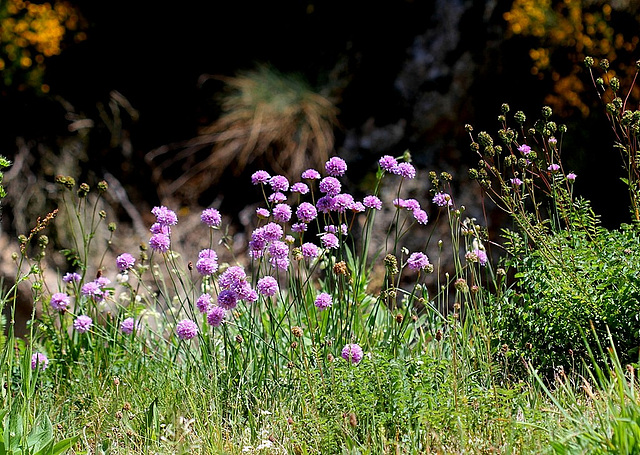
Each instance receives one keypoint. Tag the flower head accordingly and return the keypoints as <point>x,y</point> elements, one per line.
<point>164,216</point>
<point>260,177</point>
<point>306,212</point>
<point>311,174</point>
<point>352,353</point>
<point>571,177</point>
<point>282,213</point>
<point>267,286</point>
<point>128,325</point>
<point>372,202</point>
<point>442,200</point>
<point>125,261</point>
<point>186,329</point>
<point>60,301</point>
<point>309,250</point>
<point>299,187</point>
<point>388,163</point>
<point>330,186</point>
<point>211,217</point>
<point>405,170</point>
<point>157,228</point>
<point>203,303</point>
<point>279,183</point>
<point>215,316</point>
<point>342,202</point>
<point>39,360</point>
<point>418,261</point>
<point>160,242</point>
<point>83,323</point>
<point>554,167</point>
<point>92,289</point>
<point>227,299</point>
<point>516,181</point>
<point>335,166</point>
<point>263,213</point>
<point>421,216</point>
<point>76,277</point>
<point>524,149</point>
<point>299,227</point>
<point>277,197</point>
<point>329,241</point>
<point>323,301</point>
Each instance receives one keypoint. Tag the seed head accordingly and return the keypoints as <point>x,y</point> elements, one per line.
<point>83,190</point>
<point>340,268</point>
<point>296,331</point>
<point>604,64</point>
<point>588,61</point>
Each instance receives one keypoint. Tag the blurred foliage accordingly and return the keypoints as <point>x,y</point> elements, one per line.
<point>562,33</point>
<point>30,33</point>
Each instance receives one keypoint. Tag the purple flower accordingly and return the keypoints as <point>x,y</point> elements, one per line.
<point>421,216</point>
<point>352,353</point>
<point>482,256</point>
<point>524,149</point>
<point>289,239</point>
<point>60,301</point>
<point>242,290</point>
<point>277,197</point>
<point>329,241</point>
<point>215,316</point>
<point>39,360</point>
<point>571,177</point>
<point>267,286</point>
<point>227,299</point>
<point>298,227</point>
<point>373,202</point>
<point>311,174</point>
<point>206,266</point>
<point>406,170</point>
<point>231,276</point>
<point>324,203</point>
<point>279,183</point>
<point>92,290</point>
<point>128,325</point>
<point>342,202</point>
<point>553,140</point>
<point>306,212</point>
<point>330,186</point>
<point>76,277</point>
<point>333,229</point>
<point>309,250</point>
<point>418,261</point>
<point>299,187</point>
<point>263,213</point>
<point>157,228</point>
<point>260,177</point>
<point>411,204</point>
<point>388,163</point>
<point>323,301</point>
<point>186,329</point>
<point>272,231</point>
<point>160,242</point>
<point>102,281</point>
<point>211,217</point>
<point>278,249</point>
<point>358,207</point>
<point>203,303</point>
<point>279,263</point>
<point>516,181</point>
<point>125,261</point>
<point>164,216</point>
<point>399,203</point>
<point>282,213</point>
<point>442,200</point>
<point>82,323</point>
<point>335,166</point>
<point>554,167</point>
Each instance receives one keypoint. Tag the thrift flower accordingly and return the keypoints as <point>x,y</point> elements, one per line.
<point>127,326</point>
<point>516,181</point>
<point>164,216</point>
<point>418,261</point>
<point>553,167</point>
<point>231,276</point>
<point>157,228</point>
<point>277,197</point>
<point>335,166</point>
<point>372,202</point>
<point>211,217</point>
<point>482,256</point>
<point>279,183</point>
<point>125,261</point>
<point>311,174</point>
<point>330,186</point>
<point>203,303</point>
<point>299,227</point>
<point>571,177</point>
<point>260,177</point>
<point>421,216</point>
<point>92,289</point>
<point>324,203</point>
<point>186,329</point>
<point>263,213</point>
<point>215,316</point>
<point>342,202</point>
<point>272,231</point>
<point>323,301</point>
<point>524,149</point>
<point>352,353</point>
<point>299,187</point>
<point>76,277</point>
<point>282,213</point>
<point>227,299</point>
<point>358,207</point>
<point>60,301</point>
<point>278,249</point>
<point>406,170</point>
<point>39,360</point>
<point>267,286</point>
<point>442,200</point>
<point>309,250</point>
<point>160,242</point>
<point>388,163</point>
<point>82,323</point>
<point>329,241</point>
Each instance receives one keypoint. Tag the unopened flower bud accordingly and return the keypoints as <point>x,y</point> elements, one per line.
<point>604,64</point>
<point>112,227</point>
<point>83,190</point>
<point>588,61</point>
<point>103,186</point>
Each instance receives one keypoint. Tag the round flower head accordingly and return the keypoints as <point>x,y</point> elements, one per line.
<point>516,181</point>
<point>186,329</point>
<point>128,325</point>
<point>418,261</point>
<point>60,301</point>
<point>260,177</point>
<point>482,256</point>
<point>406,170</point>
<point>76,277</point>
<point>125,261</point>
<point>311,174</point>
<point>39,360</point>
<point>92,289</point>
<point>554,167</point>
<point>211,217</point>
<point>358,207</point>
<point>571,177</point>
<point>324,203</point>
<point>323,301</point>
<point>279,249</point>
<point>279,263</point>
<point>82,323</point>
<point>227,299</point>
<point>335,166</point>
<point>411,204</point>
<point>299,227</point>
<point>299,187</point>
<point>263,213</point>
<point>342,202</point>
<point>329,241</point>
<point>524,149</point>
<point>442,200</point>
<point>203,303</point>
<point>282,213</point>
<point>352,353</point>
<point>306,212</point>
<point>372,202</point>
<point>232,276</point>
<point>277,197</point>
<point>157,228</point>
<point>267,286</point>
<point>388,163</point>
<point>208,262</point>
<point>215,316</point>
<point>330,186</point>
<point>309,250</point>
<point>279,183</point>
<point>421,216</point>
<point>164,216</point>
<point>272,231</point>
<point>160,243</point>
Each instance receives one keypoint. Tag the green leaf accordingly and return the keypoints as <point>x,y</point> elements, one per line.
<point>63,446</point>
<point>41,435</point>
